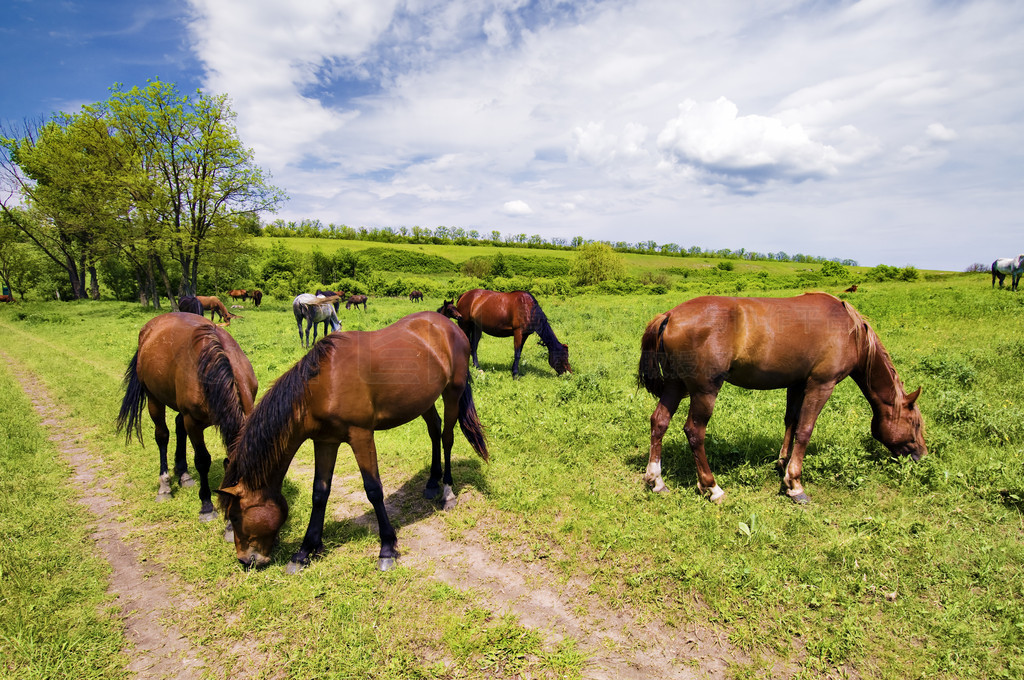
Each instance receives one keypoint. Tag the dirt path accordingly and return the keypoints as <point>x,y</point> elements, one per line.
<point>620,644</point>
<point>145,592</point>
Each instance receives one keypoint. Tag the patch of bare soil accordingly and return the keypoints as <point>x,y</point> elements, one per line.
<point>620,644</point>
<point>145,592</point>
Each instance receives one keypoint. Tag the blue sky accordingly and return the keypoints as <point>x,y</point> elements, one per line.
<point>886,131</point>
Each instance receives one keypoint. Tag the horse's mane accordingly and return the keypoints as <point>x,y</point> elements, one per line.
<point>260,446</point>
<point>880,375</point>
<point>539,325</point>
<point>220,388</point>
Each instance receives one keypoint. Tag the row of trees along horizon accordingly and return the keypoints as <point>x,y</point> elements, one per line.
<point>152,194</point>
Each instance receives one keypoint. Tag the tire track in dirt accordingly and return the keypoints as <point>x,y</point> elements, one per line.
<point>620,644</point>
<point>145,592</point>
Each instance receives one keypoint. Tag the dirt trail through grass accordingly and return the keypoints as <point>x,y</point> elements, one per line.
<point>145,592</point>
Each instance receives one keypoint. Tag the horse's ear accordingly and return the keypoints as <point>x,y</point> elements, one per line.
<point>236,491</point>
<point>912,397</point>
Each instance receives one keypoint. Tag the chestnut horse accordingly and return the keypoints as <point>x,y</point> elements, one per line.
<point>805,344</point>
<point>190,365</point>
<point>345,388</point>
<point>239,294</point>
<point>212,304</point>
<point>356,300</point>
<point>415,295</point>
<point>503,314</point>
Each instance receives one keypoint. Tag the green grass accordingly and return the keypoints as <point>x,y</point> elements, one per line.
<point>56,618</point>
<point>895,569</point>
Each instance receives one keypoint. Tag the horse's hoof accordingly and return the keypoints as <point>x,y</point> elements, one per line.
<point>386,563</point>
<point>431,493</point>
<point>208,516</point>
<point>657,485</point>
<point>186,480</point>
<point>294,568</point>
<point>450,499</point>
<point>801,498</point>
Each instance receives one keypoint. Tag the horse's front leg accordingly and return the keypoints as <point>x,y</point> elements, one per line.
<point>325,455</point>
<point>701,406</point>
<point>202,462</point>
<point>518,339</point>
<point>660,420</point>
<point>365,451</point>
<point>814,398</point>
<point>157,413</point>
<point>180,460</point>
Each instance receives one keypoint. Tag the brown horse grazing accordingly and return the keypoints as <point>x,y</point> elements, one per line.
<point>805,344</point>
<point>415,295</point>
<point>188,364</point>
<point>503,314</point>
<point>239,294</point>
<point>356,300</point>
<point>212,304</point>
<point>348,386</point>
<point>6,298</point>
<point>257,297</point>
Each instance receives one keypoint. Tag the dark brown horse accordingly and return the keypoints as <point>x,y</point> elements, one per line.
<point>257,297</point>
<point>805,345</point>
<point>348,386</point>
<point>190,304</point>
<point>502,315</point>
<point>356,300</point>
<point>450,310</point>
<point>186,363</point>
<point>212,304</point>
<point>239,294</point>
<point>415,295</point>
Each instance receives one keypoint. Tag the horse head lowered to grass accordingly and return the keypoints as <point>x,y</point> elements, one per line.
<point>348,386</point>
<point>516,314</point>
<point>805,344</point>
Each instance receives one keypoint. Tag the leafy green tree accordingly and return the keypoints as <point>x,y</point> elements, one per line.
<point>829,268</point>
<point>596,262</point>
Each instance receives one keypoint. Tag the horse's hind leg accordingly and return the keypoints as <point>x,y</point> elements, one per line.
<point>518,339</point>
<point>203,461</point>
<point>660,420</point>
<point>794,402</point>
<point>433,421</point>
<point>162,436</point>
<point>180,460</point>
<point>701,406</point>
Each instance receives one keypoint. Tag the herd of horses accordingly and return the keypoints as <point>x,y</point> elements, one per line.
<point>351,384</point>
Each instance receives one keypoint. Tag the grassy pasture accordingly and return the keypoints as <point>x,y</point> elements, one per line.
<point>895,569</point>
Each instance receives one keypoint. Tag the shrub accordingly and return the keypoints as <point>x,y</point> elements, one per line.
<point>596,262</point>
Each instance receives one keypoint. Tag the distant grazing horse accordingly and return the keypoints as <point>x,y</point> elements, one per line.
<point>190,304</point>
<point>188,364</point>
<point>503,314</point>
<point>356,300</point>
<point>851,289</point>
<point>340,294</point>
<point>415,295</point>
<point>6,298</point>
<point>257,297</point>
<point>805,344</point>
<point>345,388</point>
<point>1014,266</point>
<point>239,294</point>
<point>212,304</point>
<point>313,309</point>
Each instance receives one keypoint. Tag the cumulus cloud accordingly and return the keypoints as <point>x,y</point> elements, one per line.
<point>516,208</point>
<point>713,137</point>
<point>938,132</point>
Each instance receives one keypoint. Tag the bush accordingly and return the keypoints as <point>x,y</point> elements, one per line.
<point>596,262</point>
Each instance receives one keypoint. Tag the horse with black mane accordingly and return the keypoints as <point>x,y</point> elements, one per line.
<point>1012,266</point>
<point>356,300</point>
<point>257,297</point>
<point>502,315</point>
<point>189,364</point>
<point>415,295</point>
<point>314,309</point>
<point>239,294</point>
<point>805,345</point>
<point>190,304</point>
<point>348,386</point>
<point>340,294</point>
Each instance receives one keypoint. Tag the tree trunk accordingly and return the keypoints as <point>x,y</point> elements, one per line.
<point>94,283</point>
<point>167,281</point>
<point>152,284</point>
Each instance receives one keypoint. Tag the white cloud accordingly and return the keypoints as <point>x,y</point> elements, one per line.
<point>940,133</point>
<point>516,208</point>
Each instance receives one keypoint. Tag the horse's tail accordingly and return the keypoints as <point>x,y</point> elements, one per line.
<point>650,374</point>
<point>220,388</point>
<point>130,417</point>
<point>470,422</point>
